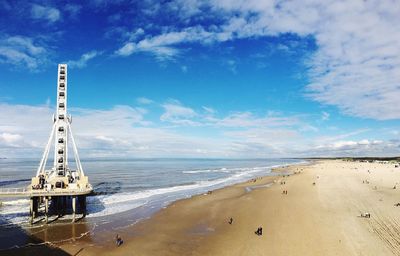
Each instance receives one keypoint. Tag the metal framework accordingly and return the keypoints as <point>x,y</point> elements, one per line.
<point>61,132</point>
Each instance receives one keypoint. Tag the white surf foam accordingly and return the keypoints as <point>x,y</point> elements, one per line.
<point>104,205</point>
<point>16,202</point>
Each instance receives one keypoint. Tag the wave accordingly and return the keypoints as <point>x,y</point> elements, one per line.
<point>105,188</point>
<point>225,170</point>
<point>10,182</point>
<point>15,202</point>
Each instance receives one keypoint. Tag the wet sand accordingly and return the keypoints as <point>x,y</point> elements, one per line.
<point>311,219</point>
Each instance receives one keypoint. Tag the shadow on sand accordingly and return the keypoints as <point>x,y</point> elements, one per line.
<point>16,241</point>
<point>39,238</point>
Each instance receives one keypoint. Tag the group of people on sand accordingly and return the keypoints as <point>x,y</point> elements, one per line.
<point>258,232</point>
<point>366,215</point>
<point>284,192</point>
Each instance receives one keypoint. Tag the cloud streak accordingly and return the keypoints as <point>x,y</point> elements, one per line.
<point>49,14</point>
<point>176,113</point>
<point>83,60</point>
<point>22,51</point>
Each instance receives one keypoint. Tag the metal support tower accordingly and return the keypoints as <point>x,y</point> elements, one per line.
<point>61,132</point>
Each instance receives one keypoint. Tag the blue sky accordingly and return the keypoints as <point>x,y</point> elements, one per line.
<point>215,78</point>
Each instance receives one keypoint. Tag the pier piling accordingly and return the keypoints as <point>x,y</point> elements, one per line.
<point>46,209</point>
<point>82,205</point>
<point>73,208</point>
<point>31,210</point>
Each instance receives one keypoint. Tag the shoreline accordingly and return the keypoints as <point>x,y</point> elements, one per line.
<point>82,231</point>
<point>320,215</point>
<point>130,234</point>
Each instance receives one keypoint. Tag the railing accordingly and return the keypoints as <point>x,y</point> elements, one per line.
<point>10,192</point>
<point>13,191</point>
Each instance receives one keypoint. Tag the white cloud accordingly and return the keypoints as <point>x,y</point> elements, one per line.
<point>358,148</point>
<point>83,60</point>
<point>161,52</point>
<point>73,10</point>
<point>127,49</point>
<point>120,131</point>
<point>273,138</point>
<point>176,113</point>
<point>87,117</point>
<point>125,131</point>
<point>9,139</point>
<point>356,64</point>
<point>45,13</point>
<point>135,34</point>
<point>355,67</point>
<point>340,137</point>
<point>162,46</point>
<point>247,119</point>
<point>18,138</point>
<point>325,116</point>
<point>209,110</point>
<point>22,51</point>
<point>144,101</point>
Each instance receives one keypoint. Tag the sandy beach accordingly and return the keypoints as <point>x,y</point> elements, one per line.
<point>319,215</point>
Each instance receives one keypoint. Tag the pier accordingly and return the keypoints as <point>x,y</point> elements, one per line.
<point>59,186</point>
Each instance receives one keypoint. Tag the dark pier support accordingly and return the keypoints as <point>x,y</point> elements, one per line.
<point>82,205</point>
<point>46,208</point>
<point>59,206</point>
<point>73,208</point>
<point>34,204</point>
<point>64,205</point>
<point>31,209</point>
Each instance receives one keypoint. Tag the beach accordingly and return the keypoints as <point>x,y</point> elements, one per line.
<point>311,219</point>
<point>319,215</point>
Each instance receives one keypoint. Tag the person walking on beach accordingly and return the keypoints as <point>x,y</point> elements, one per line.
<point>118,240</point>
<point>259,231</point>
<point>230,221</point>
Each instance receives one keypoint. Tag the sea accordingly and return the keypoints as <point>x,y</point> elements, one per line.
<point>142,186</point>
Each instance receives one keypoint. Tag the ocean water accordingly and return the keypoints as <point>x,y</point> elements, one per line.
<point>122,185</point>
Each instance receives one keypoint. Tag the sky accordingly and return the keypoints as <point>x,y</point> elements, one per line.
<point>203,78</point>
